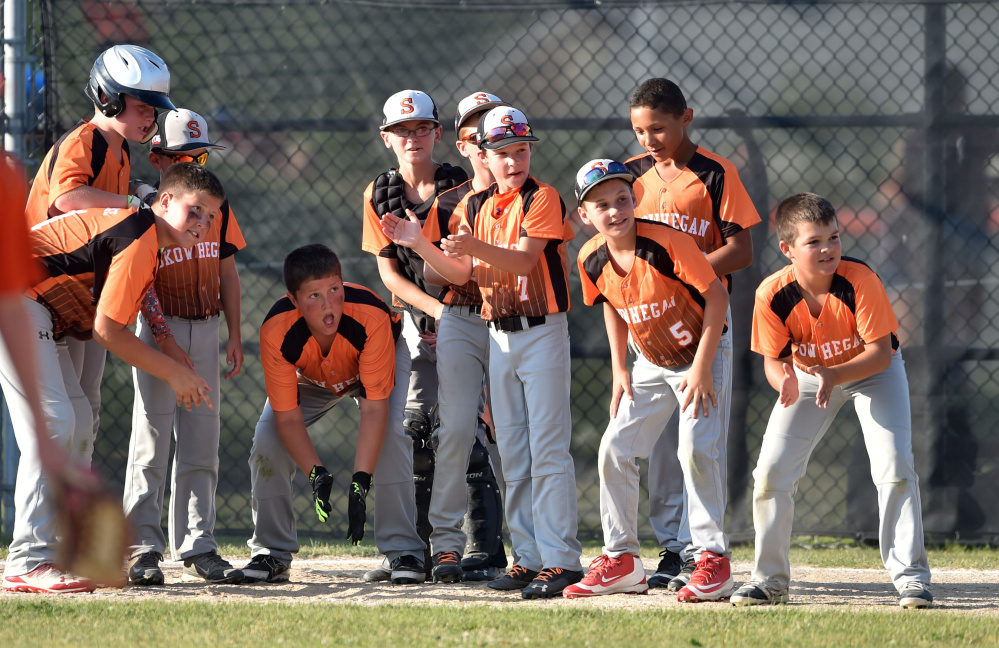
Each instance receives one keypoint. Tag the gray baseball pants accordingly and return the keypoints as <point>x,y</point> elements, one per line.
<point>156,419</point>
<point>529,382</point>
<point>70,417</point>
<point>631,435</point>
<point>272,470</point>
<point>882,404</point>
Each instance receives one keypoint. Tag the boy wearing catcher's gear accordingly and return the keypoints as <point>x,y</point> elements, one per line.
<point>512,240</point>
<point>826,331</point>
<point>657,287</point>
<point>462,354</point>
<point>322,342</point>
<point>100,262</point>
<point>89,167</point>
<point>181,318</point>
<point>410,128</point>
<point>690,189</point>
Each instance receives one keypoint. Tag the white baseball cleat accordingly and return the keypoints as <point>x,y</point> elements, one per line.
<point>623,574</point>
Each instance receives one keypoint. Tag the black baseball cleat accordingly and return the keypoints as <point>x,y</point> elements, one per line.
<point>408,570</point>
<point>447,567</point>
<point>680,580</point>
<point>516,579</point>
<point>669,566</point>
<point>144,569</point>
<point>266,569</point>
<point>550,582</point>
<point>209,567</point>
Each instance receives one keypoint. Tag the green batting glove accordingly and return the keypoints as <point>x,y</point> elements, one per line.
<point>322,486</point>
<point>356,506</point>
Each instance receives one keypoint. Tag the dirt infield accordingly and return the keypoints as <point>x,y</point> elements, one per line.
<point>338,580</point>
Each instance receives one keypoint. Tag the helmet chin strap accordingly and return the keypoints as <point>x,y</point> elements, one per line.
<point>152,131</point>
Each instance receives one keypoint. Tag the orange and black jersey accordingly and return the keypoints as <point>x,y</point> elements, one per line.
<point>18,269</point>
<point>361,360</point>
<point>855,311</point>
<point>707,200</point>
<point>187,283</point>
<point>534,211</point>
<point>98,260</point>
<point>661,298</point>
<point>444,219</point>
<point>81,157</point>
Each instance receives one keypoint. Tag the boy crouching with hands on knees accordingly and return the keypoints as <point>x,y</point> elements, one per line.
<point>323,341</point>
<point>826,331</point>
<point>655,284</point>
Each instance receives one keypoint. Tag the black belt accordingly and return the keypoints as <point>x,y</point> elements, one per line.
<point>516,323</point>
<point>473,309</point>
<point>204,318</point>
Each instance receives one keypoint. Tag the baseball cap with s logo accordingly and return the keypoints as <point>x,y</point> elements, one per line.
<point>409,105</point>
<point>503,126</point>
<point>181,130</point>
<point>475,103</point>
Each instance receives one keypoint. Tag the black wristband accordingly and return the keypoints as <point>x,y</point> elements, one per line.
<point>363,480</point>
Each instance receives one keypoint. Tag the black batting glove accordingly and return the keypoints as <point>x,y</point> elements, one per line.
<point>356,506</point>
<point>322,486</point>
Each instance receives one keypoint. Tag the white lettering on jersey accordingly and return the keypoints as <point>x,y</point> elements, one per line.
<point>682,222</point>
<point>646,312</point>
<point>828,350</point>
<point>204,250</point>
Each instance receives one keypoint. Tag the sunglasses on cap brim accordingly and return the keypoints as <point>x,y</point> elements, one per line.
<point>594,174</point>
<point>201,158</point>
<point>501,133</point>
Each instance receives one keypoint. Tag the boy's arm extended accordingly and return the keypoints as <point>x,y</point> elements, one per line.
<point>406,290</point>
<point>371,433</point>
<point>90,197</point>
<point>408,233</point>
<point>780,374</point>
<point>520,261</point>
<point>617,337</point>
<point>295,439</point>
<point>231,303</point>
<point>875,358</point>
<point>698,383</point>
<point>191,389</point>
<point>734,255</point>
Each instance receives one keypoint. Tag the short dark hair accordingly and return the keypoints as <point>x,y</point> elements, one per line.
<point>661,95</point>
<point>312,261</point>
<point>188,178</point>
<point>802,208</point>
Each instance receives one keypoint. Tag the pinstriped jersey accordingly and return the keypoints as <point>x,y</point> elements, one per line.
<point>706,200</point>
<point>81,158</point>
<point>535,211</point>
<point>98,260</point>
<point>442,220</point>
<point>187,282</point>
<point>660,298</point>
<point>856,311</point>
<point>18,269</point>
<point>361,360</point>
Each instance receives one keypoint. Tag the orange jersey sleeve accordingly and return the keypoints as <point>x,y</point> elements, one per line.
<point>661,298</point>
<point>373,239</point>
<point>18,269</point>
<point>81,157</point>
<point>131,273</point>
<point>856,311</point>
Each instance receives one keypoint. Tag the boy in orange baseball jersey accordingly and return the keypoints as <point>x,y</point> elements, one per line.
<point>826,331</point>
<point>100,262</point>
<point>698,192</point>
<point>462,354</point>
<point>324,341</point>
<point>410,128</point>
<point>89,166</point>
<point>181,319</point>
<point>655,285</point>
<point>512,240</point>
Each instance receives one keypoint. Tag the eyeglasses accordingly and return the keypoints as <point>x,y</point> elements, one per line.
<point>596,173</point>
<point>500,132</point>
<point>471,139</point>
<point>201,158</point>
<point>419,131</point>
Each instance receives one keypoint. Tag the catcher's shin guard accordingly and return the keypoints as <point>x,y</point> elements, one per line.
<point>483,526</point>
<point>419,426</point>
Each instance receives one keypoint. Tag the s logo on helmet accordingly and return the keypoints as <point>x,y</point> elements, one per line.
<point>407,106</point>
<point>599,164</point>
<point>481,98</point>
<point>507,119</point>
<point>193,129</point>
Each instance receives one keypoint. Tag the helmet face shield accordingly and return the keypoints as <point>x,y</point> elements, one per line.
<point>155,99</point>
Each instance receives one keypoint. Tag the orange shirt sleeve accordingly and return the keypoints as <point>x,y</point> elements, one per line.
<point>280,376</point>
<point>18,268</point>
<point>544,219</point>
<point>770,337</point>
<point>373,239</point>
<point>875,317</point>
<point>377,361</point>
<point>233,240</point>
<point>72,166</point>
<point>736,206</point>
<point>129,277</point>
<point>591,293</point>
<point>689,263</point>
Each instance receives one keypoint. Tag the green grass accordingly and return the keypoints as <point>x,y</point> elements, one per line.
<point>47,623</point>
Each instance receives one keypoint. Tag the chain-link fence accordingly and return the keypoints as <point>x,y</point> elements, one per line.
<point>889,109</point>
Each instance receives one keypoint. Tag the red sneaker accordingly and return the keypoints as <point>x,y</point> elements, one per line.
<point>711,580</point>
<point>47,579</point>
<point>622,575</point>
